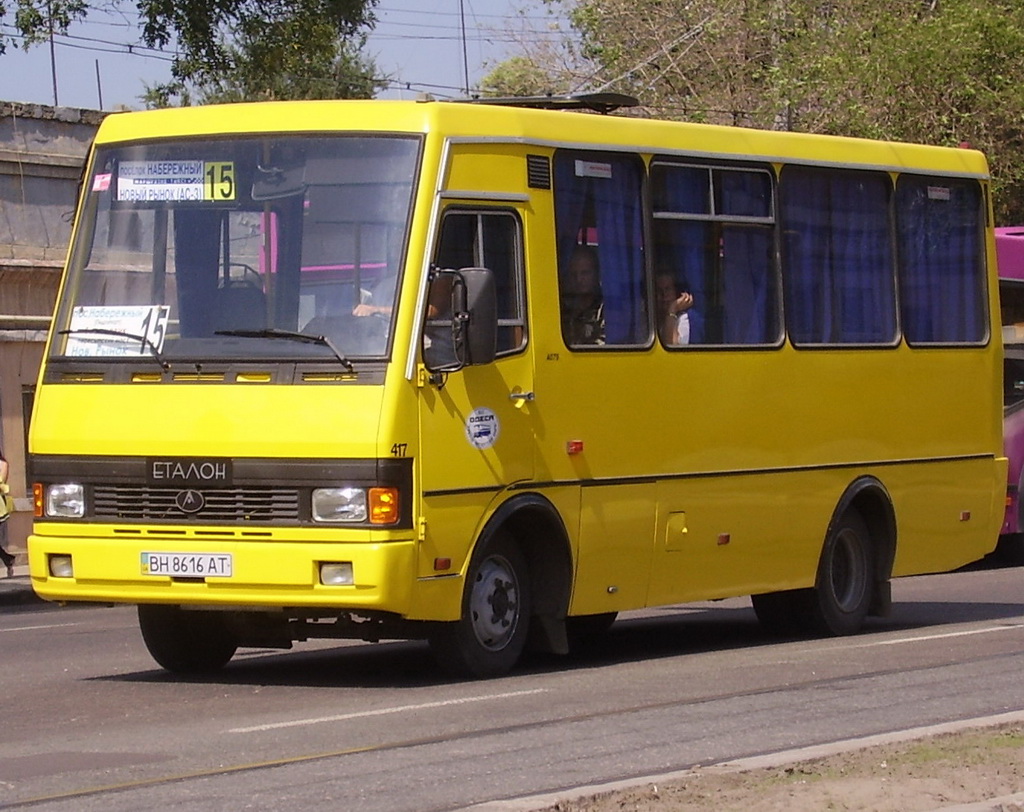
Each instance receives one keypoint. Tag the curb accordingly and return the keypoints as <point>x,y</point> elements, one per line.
<point>541,801</point>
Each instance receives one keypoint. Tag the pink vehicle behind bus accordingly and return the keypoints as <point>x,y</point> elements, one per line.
<point>1010,255</point>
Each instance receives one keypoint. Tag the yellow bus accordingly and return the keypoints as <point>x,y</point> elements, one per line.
<point>488,374</point>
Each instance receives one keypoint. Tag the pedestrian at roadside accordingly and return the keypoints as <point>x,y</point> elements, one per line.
<point>7,558</point>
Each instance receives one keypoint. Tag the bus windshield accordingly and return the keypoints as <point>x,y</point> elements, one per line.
<point>205,249</point>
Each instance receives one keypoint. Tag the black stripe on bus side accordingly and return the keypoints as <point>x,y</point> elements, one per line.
<point>647,479</point>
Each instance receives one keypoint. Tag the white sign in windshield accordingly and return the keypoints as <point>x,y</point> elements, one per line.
<point>128,330</point>
<point>175,181</point>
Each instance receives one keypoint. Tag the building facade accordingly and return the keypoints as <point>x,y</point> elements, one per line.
<point>42,151</point>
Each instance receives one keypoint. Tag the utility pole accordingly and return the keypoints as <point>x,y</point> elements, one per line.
<point>465,57</point>
<point>53,56</point>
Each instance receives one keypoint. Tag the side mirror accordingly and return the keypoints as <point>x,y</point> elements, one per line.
<point>462,320</point>
<point>480,321</point>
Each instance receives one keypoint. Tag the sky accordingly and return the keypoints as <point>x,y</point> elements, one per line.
<point>418,43</point>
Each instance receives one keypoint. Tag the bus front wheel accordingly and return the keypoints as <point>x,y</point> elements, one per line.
<point>186,642</point>
<point>488,639</point>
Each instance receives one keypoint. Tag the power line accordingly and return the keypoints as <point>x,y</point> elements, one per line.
<point>442,27</point>
<point>111,47</point>
<point>454,14</point>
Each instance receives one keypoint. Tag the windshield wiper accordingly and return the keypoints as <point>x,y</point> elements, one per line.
<point>143,340</point>
<point>291,336</point>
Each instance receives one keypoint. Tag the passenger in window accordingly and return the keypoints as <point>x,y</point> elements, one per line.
<point>379,299</point>
<point>355,329</point>
<point>676,321</point>
<point>582,302</point>
<point>332,311</point>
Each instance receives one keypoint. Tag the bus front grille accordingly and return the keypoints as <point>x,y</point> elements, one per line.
<point>221,505</point>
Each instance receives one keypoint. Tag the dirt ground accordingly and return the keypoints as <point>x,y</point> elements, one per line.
<point>913,776</point>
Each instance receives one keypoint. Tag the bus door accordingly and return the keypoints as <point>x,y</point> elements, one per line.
<point>477,424</point>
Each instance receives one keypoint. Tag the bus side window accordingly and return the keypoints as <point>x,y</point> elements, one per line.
<point>599,229</point>
<point>490,238</point>
<point>837,256</point>
<point>940,227</point>
<point>713,237</point>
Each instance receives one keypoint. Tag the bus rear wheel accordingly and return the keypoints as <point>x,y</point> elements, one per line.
<point>186,642</point>
<point>843,590</point>
<point>488,639</point>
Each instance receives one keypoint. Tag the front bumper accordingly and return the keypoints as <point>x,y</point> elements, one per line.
<point>265,574</point>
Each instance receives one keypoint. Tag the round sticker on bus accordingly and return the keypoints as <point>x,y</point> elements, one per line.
<point>482,428</point>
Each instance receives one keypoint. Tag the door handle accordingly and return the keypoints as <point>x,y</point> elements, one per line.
<point>521,396</point>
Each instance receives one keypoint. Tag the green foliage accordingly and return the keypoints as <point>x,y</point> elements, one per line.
<point>199,28</point>
<point>288,58</point>
<point>349,75</point>
<point>925,71</point>
<point>236,50</point>
<point>34,18</point>
<point>518,76</point>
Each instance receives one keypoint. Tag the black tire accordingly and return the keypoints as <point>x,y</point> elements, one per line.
<point>845,583</point>
<point>489,638</point>
<point>843,590</point>
<point>185,642</point>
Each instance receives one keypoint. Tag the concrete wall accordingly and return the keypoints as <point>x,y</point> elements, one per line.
<point>42,150</point>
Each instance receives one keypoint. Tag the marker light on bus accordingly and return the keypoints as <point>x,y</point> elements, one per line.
<point>66,500</point>
<point>37,499</point>
<point>383,505</point>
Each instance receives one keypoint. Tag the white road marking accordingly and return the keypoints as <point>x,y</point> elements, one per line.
<point>34,628</point>
<point>915,639</point>
<point>384,711</point>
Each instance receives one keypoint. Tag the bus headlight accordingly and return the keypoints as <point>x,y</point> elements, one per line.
<point>66,500</point>
<point>374,505</point>
<point>339,505</point>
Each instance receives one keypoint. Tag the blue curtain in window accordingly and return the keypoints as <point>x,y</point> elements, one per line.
<point>570,205</point>
<point>683,244</point>
<point>749,297</point>
<point>289,214</point>
<point>617,208</point>
<point>865,292</point>
<point>837,257</point>
<point>806,226</point>
<point>942,272</point>
<point>196,244</point>
<point>748,289</point>
<point>736,299</point>
<point>614,202</point>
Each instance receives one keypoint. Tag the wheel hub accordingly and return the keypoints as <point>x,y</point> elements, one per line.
<point>494,604</point>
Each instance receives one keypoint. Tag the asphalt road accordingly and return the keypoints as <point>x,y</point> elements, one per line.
<point>90,723</point>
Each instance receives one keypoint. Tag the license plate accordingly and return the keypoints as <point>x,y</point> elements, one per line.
<point>187,565</point>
